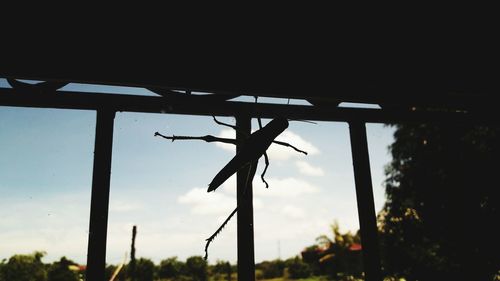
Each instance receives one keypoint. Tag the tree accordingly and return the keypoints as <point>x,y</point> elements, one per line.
<point>442,203</point>
<point>25,268</point>
<point>108,272</point>
<point>271,269</point>
<point>334,257</point>
<point>222,269</point>
<point>196,268</point>
<point>171,268</point>
<point>60,271</point>
<point>311,255</point>
<point>144,269</point>
<point>2,264</point>
<point>297,268</point>
<point>121,273</point>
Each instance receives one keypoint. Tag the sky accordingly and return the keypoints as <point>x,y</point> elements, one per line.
<point>46,158</point>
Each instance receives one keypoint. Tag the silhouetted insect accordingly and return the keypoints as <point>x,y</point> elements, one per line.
<point>252,148</point>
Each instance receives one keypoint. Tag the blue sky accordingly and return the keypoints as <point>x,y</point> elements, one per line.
<point>160,186</point>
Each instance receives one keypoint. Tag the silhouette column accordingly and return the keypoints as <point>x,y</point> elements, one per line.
<point>246,256</point>
<point>96,254</point>
<point>364,196</point>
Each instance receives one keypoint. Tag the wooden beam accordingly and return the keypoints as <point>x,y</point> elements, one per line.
<point>96,254</point>
<point>364,196</point>
<point>195,106</point>
<point>246,255</point>
<point>423,81</point>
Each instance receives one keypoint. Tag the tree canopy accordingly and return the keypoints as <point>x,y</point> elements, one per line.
<point>24,268</point>
<point>442,207</point>
<point>60,271</point>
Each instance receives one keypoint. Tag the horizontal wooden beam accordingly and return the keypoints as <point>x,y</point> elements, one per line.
<point>319,73</point>
<point>196,106</point>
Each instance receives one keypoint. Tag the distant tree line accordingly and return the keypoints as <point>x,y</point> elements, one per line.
<point>329,257</point>
<point>31,268</point>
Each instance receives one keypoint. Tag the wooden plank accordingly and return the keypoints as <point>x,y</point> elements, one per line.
<point>246,255</point>
<point>194,106</point>
<point>96,255</point>
<point>364,196</point>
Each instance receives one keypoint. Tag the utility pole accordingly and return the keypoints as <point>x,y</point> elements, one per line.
<point>132,255</point>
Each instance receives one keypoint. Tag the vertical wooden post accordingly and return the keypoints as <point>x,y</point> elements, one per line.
<point>132,256</point>
<point>246,256</point>
<point>96,254</point>
<point>366,207</point>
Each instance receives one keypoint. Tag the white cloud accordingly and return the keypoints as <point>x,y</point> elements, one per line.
<point>278,187</point>
<point>202,202</point>
<point>285,188</point>
<point>229,186</point>
<point>280,152</point>
<point>293,212</point>
<point>308,169</point>
<point>276,152</point>
<point>258,204</point>
<point>228,134</point>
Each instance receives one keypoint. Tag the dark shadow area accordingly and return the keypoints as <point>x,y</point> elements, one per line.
<point>440,218</point>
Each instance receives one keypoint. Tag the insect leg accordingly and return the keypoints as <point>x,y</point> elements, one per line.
<point>211,238</point>
<point>266,159</point>
<point>251,174</point>
<point>225,124</point>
